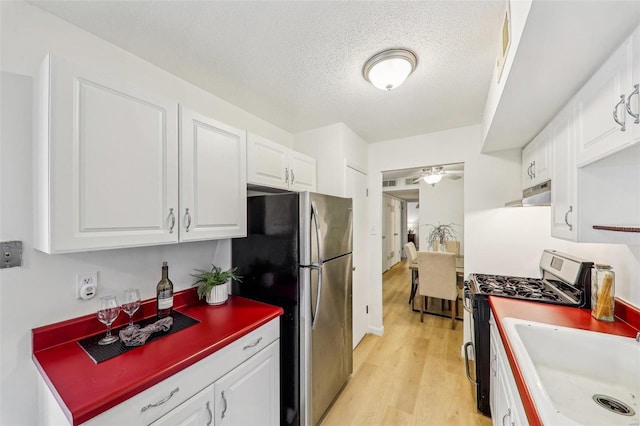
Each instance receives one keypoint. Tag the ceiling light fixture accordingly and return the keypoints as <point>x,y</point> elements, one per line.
<point>390,68</point>
<point>432,179</point>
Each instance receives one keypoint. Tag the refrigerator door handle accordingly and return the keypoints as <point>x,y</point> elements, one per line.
<point>315,312</point>
<point>314,215</point>
<point>317,266</point>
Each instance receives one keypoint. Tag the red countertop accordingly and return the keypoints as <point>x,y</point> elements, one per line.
<point>627,324</point>
<point>85,389</point>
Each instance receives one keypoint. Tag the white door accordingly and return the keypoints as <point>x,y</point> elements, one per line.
<point>112,158</point>
<point>267,162</point>
<point>250,393</point>
<point>357,190</point>
<point>213,179</point>
<point>302,172</point>
<point>397,228</point>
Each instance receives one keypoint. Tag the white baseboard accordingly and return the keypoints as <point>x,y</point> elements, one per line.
<point>378,331</point>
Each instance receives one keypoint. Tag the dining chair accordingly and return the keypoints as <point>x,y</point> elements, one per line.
<point>412,258</point>
<point>438,279</point>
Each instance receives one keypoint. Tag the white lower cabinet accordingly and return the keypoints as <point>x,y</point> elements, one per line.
<point>236,385</point>
<point>249,394</point>
<point>196,411</point>
<point>504,399</point>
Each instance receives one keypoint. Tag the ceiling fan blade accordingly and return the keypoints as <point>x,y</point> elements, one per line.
<point>417,180</point>
<point>453,172</point>
<point>453,177</point>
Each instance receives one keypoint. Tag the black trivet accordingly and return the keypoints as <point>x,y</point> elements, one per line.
<point>100,353</point>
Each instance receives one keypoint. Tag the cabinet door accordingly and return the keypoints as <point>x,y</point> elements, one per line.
<point>107,162</point>
<point>250,393</point>
<point>526,180</point>
<point>302,172</point>
<point>597,103</point>
<point>195,411</point>
<point>542,157</point>
<point>213,183</point>
<point>563,175</point>
<point>633,103</point>
<point>267,162</point>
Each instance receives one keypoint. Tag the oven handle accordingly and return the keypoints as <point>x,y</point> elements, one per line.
<point>466,360</point>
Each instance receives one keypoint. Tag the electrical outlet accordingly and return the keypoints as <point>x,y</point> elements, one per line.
<point>86,285</point>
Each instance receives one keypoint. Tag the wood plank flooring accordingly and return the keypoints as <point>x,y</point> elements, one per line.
<point>413,375</point>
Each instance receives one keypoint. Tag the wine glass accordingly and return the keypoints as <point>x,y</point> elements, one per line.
<point>107,314</point>
<point>131,304</point>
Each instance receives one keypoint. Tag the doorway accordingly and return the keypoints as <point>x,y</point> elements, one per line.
<point>356,188</point>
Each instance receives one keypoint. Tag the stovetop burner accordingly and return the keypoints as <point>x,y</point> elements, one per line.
<point>537,289</point>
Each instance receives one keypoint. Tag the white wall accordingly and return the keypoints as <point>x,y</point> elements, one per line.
<point>442,204</point>
<point>497,239</point>
<point>42,291</point>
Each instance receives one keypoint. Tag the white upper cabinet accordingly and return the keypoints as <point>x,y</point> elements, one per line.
<point>111,172</point>
<point>213,179</point>
<point>302,172</point>
<point>273,165</point>
<point>106,172</point>
<point>563,175</point>
<point>536,159</point>
<point>604,125</point>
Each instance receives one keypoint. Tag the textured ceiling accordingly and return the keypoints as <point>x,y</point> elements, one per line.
<point>298,64</point>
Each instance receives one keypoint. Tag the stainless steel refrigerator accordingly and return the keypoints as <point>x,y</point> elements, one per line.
<point>297,255</point>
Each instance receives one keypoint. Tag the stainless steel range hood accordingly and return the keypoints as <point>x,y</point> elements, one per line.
<point>539,195</point>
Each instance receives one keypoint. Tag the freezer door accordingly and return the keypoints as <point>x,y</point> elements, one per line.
<point>334,219</point>
<point>331,332</point>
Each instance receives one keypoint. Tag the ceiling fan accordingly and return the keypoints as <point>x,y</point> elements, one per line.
<point>433,175</point>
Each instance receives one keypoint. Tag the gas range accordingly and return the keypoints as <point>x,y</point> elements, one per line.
<point>566,280</point>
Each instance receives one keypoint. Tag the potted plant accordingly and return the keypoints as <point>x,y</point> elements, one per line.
<point>440,233</point>
<point>212,284</point>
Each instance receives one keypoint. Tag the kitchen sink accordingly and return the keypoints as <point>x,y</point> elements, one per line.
<point>577,376</point>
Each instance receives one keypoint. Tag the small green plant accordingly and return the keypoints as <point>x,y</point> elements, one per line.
<point>206,280</point>
<point>440,233</point>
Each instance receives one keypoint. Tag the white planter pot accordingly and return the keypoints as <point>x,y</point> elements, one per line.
<point>218,294</point>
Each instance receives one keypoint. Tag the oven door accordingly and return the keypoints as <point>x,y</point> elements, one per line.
<point>479,346</point>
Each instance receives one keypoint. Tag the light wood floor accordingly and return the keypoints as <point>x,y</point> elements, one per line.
<point>413,375</point>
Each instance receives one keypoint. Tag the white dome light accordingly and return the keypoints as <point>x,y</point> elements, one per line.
<point>432,179</point>
<point>389,69</point>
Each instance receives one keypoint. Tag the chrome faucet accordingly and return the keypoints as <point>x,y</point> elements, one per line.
<point>638,337</point>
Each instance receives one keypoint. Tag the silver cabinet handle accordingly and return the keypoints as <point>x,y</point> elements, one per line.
<point>286,175</point>
<point>529,172</point>
<point>173,220</point>
<point>566,218</point>
<point>187,218</point>
<point>508,414</point>
<point>224,410</point>
<point>162,401</point>
<point>533,169</point>
<point>615,114</point>
<point>210,414</point>
<point>636,116</point>
<point>466,361</point>
<point>293,177</point>
<point>251,345</point>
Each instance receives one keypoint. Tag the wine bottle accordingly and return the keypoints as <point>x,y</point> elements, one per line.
<point>164,291</point>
